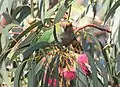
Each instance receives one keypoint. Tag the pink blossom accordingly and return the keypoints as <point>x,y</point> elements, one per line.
<point>69,74</point>
<point>82,60</point>
<point>52,82</point>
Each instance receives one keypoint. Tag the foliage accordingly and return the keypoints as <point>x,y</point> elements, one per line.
<point>30,54</point>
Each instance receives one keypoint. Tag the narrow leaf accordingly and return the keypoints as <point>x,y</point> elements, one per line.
<point>33,48</point>
<point>56,70</point>
<point>18,74</point>
<point>49,70</point>
<point>94,70</point>
<point>112,10</point>
<point>63,8</point>
<point>31,74</point>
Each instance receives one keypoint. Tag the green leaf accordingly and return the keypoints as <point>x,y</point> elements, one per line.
<point>7,17</point>
<point>1,78</point>
<point>118,63</point>
<point>33,48</point>
<point>42,10</point>
<point>104,54</point>
<point>40,2</point>
<point>104,73</point>
<point>56,70</point>
<point>112,10</point>
<point>4,73</point>
<point>4,4</point>
<point>51,65</point>
<point>40,77</point>
<point>61,11</point>
<point>100,84</point>
<point>91,1</point>
<point>38,67</point>
<point>0,45</point>
<point>81,80</point>
<point>111,2</point>
<point>32,8</point>
<point>116,80</point>
<point>31,73</point>
<point>3,55</point>
<point>104,9</point>
<point>50,12</point>
<point>1,2</point>
<point>5,35</point>
<point>22,13</point>
<point>39,23</point>
<point>16,11</point>
<point>27,40</point>
<point>68,2</point>
<point>10,3</point>
<point>21,46</point>
<point>94,70</point>
<point>47,2</point>
<point>18,74</point>
<point>95,40</point>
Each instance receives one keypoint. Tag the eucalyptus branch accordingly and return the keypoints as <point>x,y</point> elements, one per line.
<point>92,25</point>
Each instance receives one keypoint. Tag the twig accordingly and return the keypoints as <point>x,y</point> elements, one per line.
<point>92,25</point>
<point>15,32</point>
<point>69,12</point>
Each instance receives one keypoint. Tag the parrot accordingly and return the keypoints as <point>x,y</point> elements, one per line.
<point>63,33</point>
<point>64,36</point>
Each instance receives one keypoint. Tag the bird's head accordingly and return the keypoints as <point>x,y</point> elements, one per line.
<point>66,25</point>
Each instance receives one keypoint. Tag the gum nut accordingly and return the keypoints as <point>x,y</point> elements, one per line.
<point>35,13</point>
<point>98,20</point>
<point>34,1</point>
<point>3,21</point>
<point>35,6</point>
<point>80,2</point>
<point>30,19</point>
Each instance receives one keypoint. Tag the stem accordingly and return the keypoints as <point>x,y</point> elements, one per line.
<point>92,25</point>
<point>69,12</point>
<point>16,33</point>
